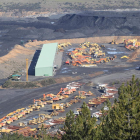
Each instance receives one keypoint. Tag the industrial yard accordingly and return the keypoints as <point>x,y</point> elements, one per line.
<point>49,66</point>
<point>49,107</point>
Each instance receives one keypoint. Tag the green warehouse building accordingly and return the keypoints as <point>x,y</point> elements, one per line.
<point>45,63</point>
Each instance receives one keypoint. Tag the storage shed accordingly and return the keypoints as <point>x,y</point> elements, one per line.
<point>44,66</point>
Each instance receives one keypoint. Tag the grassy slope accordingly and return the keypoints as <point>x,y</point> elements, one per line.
<point>35,5</point>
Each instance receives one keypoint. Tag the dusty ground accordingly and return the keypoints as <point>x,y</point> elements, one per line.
<point>99,27</point>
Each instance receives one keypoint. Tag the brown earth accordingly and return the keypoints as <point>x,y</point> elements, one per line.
<point>15,59</point>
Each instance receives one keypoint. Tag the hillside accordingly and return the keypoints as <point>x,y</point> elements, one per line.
<point>21,8</point>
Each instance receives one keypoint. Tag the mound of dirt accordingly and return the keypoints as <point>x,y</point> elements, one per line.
<point>13,53</point>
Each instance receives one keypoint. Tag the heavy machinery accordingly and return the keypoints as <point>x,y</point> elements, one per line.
<point>49,101</point>
<point>33,121</point>
<point>76,63</point>
<point>39,103</point>
<point>58,106</point>
<point>131,44</point>
<point>103,46</point>
<point>9,120</point>
<point>102,60</point>
<point>22,123</point>
<point>114,42</point>
<point>81,95</point>
<point>5,130</point>
<point>46,116</point>
<point>89,93</point>
<point>54,113</point>
<point>124,57</point>
<point>28,110</point>
<point>13,116</point>
<point>34,107</point>
<point>67,105</point>
<point>68,62</point>
<point>98,54</point>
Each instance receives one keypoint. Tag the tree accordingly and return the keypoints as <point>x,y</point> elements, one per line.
<point>122,121</point>
<point>80,128</point>
<point>14,136</point>
<point>70,127</point>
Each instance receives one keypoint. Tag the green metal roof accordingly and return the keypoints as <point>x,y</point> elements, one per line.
<point>47,55</point>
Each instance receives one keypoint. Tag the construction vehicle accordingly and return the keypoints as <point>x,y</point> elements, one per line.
<point>28,110</point>
<point>81,95</point>
<point>22,123</point>
<point>46,116</point>
<point>12,115</point>
<point>39,103</point>
<point>114,42</point>
<point>54,113</point>
<point>107,96</point>
<point>102,60</point>
<point>73,101</point>
<point>9,120</point>
<point>124,57</point>
<point>103,46</point>
<point>49,101</point>
<point>34,107</point>
<point>67,105</point>
<point>88,93</point>
<point>33,121</point>
<point>100,86</point>
<point>68,62</point>
<point>19,113</point>
<point>5,130</point>
<point>58,106</point>
<point>76,63</point>
<point>131,44</point>
<point>48,95</point>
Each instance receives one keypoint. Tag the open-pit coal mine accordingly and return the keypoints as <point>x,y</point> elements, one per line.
<point>83,25</point>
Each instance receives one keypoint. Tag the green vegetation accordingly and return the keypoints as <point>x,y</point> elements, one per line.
<point>23,84</point>
<point>121,122</point>
<point>14,136</point>
<point>80,128</point>
<point>63,5</point>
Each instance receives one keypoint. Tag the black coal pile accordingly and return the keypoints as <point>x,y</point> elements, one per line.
<point>78,21</point>
<point>61,30</point>
<point>128,24</point>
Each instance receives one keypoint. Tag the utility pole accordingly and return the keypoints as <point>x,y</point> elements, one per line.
<point>26,69</point>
